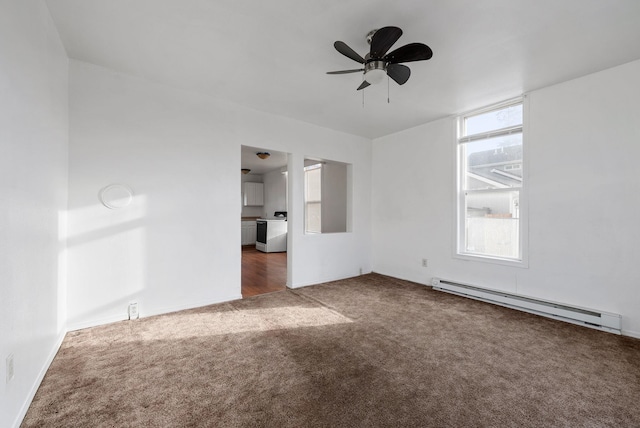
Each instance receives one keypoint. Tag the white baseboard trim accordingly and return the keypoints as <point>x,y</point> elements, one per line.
<point>421,281</point>
<point>631,333</point>
<point>187,306</point>
<point>100,321</point>
<point>144,313</point>
<point>36,384</point>
<point>321,281</point>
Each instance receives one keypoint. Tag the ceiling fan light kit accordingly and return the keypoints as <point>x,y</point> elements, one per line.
<point>378,63</point>
<point>374,72</point>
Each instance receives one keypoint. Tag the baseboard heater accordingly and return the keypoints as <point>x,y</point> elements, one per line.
<point>582,316</point>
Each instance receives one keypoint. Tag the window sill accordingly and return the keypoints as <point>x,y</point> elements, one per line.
<point>523,264</point>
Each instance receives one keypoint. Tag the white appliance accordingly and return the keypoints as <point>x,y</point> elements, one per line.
<point>272,233</point>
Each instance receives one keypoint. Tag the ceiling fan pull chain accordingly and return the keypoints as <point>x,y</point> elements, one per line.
<point>363,98</point>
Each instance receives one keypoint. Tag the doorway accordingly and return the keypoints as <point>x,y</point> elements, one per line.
<point>262,272</point>
<point>264,193</point>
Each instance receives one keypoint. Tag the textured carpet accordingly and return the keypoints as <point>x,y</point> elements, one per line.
<point>368,351</point>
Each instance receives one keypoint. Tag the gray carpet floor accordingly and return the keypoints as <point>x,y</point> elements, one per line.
<point>370,351</point>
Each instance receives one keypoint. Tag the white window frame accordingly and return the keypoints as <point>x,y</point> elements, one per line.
<point>459,197</point>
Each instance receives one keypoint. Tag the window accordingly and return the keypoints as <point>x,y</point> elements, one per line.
<point>327,196</point>
<point>490,183</point>
<point>313,198</point>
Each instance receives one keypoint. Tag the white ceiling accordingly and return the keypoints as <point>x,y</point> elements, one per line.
<point>273,55</point>
<point>250,160</point>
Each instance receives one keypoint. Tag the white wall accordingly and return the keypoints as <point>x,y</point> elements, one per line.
<point>334,197</point>
<point>33,183</point>
<point>275,193</point>
<point>178,244</point>
<point>325,257</point>
<point>582,149</point>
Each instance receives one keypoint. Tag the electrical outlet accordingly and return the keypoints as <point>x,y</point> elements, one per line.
<point>10,371</point>
<point>133,311</point>
<point>424,263</point>
<point>360,271</point>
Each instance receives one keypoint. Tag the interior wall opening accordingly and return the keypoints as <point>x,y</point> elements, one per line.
<point>264,200</point>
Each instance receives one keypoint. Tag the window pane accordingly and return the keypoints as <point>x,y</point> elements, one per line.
<point>492,120</point>
<point>490,163</point>
<point>313,199</point>
<point>492,226</point>
<point>493,163</point>
<point>313,184</point>
<point>313,222</point>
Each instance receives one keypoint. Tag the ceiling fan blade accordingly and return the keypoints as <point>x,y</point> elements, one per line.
<point>363,85</point>
<point>408,53</point>
<point>398,72</point>
<point>383,39</point>
<point>348,52</point>
<point>345,71</point>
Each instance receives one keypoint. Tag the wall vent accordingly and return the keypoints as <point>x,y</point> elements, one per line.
<point>582,316</point>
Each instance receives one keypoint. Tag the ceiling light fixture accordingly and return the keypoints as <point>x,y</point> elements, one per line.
<point>263,155</point>
<point>374,72</point>
<point>378,62</point>
<point>245,171</point>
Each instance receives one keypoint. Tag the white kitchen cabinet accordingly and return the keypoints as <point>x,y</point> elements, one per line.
<point>253,194</point>
<point>249,231</point>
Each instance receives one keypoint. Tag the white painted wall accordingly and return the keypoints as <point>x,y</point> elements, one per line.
<point>178,244</point>
<point>275,193</point>
<point>334,197</point>
<point>33,194</point>
<point>582,149</point>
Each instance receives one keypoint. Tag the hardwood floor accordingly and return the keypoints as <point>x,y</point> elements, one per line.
<point>262,272</point>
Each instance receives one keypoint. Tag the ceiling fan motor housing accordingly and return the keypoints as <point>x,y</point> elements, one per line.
<point>374,65</point>
<point>374,68</point>
<point>374,71</point>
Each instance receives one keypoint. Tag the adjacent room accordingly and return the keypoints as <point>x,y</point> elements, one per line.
<point>264,220</point>
<point>285,213</point>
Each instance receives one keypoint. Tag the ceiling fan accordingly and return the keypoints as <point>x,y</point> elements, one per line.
<point>378,63</point>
